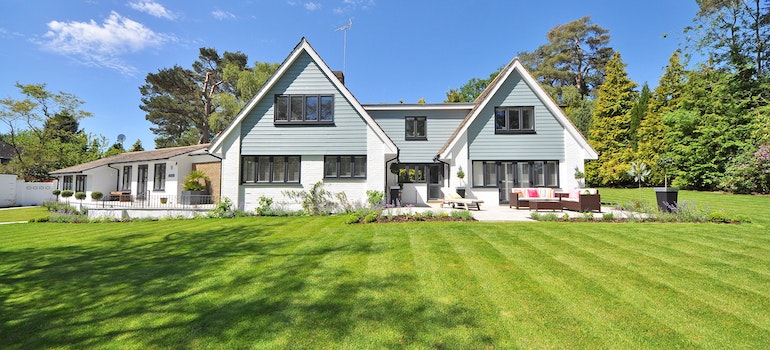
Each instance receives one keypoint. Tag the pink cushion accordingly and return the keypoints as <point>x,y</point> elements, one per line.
<point>574,194</point>
<point>532,193</point>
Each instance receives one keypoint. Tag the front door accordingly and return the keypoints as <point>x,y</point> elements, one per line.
<point>511,175</point>
<point>435,180</point>
<point>141,189</point>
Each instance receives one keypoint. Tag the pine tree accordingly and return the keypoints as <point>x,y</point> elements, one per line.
<point>610,131</point>
<point>666,99</point>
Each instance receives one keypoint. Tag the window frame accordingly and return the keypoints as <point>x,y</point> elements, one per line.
<point>414,120</point>
<point>159,180</point>
<point>533,167</point>
<point>80,183</point>
<point>67,182</point>
<point>287,162</point>
<point>419,176</point>
<point>321,118</point>
<point>338,167</point>
<point>127,174</point>
<point>507,129</point>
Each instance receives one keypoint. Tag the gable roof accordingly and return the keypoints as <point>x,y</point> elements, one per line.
<point>303,46</point>
<point>483,100</point>
<point>142,156</point>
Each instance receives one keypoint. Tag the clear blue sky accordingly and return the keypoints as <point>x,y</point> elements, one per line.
<point>101,50</point>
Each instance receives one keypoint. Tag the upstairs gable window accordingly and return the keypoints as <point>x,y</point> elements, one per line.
<point>304,110</point>
<point>415,128</point>
<point>515,120</point>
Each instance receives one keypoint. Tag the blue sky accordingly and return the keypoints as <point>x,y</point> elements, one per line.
<point>101,50</point>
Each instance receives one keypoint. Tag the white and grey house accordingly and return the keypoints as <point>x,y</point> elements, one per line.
<point>305,126</point>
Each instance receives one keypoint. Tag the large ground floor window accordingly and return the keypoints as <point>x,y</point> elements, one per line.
<point>515,173</point>
<point>270,169</point>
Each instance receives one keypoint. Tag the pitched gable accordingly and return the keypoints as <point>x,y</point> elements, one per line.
<point>303,72</point>
<point>490,96</point>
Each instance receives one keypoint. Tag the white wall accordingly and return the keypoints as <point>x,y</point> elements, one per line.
<point>34,193</point>
<point>231,163</point>
<point>575,157</point>
<point>7,190</point>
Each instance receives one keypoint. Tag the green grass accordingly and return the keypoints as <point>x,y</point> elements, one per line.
<point>304,282</point>
<point>22,214</point>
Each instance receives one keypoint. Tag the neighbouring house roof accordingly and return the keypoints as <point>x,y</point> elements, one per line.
<point>6,151</point>
<point>483,99</point>
<point>303,46</point>
<point>128,157</point>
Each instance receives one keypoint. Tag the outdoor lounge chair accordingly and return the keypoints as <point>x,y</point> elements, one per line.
<point>457,201</point>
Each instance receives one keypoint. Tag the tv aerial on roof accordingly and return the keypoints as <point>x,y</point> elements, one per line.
<point>121,138</point>
<point>345,29</point>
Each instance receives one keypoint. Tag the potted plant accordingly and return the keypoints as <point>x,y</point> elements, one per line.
<point>163,200</point>
<point>56,193</point>
<point>395,191</point>
<point>579,176</point>
<point>194,188</point>
<point>80,196</point>
<point>639,172</point>
<point>96,195</point>
<point>67,194</point>
<point>461,176</point>
<point>667,197</point>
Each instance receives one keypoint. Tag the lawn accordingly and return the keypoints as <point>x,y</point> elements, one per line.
<point>315,282</point>
<point>22,214</point>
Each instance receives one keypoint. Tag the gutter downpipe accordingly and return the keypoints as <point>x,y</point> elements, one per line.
<point>117,177</point>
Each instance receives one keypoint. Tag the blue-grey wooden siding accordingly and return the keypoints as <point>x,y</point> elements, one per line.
<point>546,144</point>
<point>440,124</point>
<point>261,137</point>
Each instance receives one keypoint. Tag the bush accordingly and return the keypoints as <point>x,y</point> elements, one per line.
<point>224,209</point>
<point>371,217</point>
<point>375,198</point>
<point>608,217</point>
<point>80,196</point>
<point>96,195</point>
<point>67,193</point>
<point>316,201</point>
<point>192,182</point>
<point>462,215</point>
<point>264,206</point>
<point>56,193</point>
<point>353,218</point>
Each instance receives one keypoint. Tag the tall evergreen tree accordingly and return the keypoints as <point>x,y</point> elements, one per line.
<point>638,113</point>
<point>610,131</point>
<point>666,98</point>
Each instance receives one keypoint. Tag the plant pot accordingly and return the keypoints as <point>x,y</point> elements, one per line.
<point>667,198</point>
<point>395,195</point>
<point>194,197</point>
<point>163,200</point>
<point>461,191</point>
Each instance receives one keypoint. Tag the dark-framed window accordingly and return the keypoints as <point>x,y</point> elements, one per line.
<point>412,173</point>
<point>66,182</point>
<point>541,173</point>
<point>415,128</point>
<point>515,120</point>
<point>159,177</point>
<point>304,109</point>
<point>126,178</point>
<point>342,167</point>
<point>80,183</point>
<point>270,169</point>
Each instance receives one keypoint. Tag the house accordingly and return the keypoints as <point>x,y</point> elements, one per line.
<point>140,175</point>
<point>305,126</point>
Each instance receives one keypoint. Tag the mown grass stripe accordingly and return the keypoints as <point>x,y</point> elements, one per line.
<point>601,314</point>
<point>680,295</point>
<point>483,258</point>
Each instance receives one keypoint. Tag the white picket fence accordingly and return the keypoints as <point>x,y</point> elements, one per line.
<point>15,192</point>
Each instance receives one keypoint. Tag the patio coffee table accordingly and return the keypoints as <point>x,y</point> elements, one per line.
<point>545,203</point>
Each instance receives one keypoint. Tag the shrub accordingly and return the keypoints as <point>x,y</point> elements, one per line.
<point>608,217</point>
<point>264,206</point>
<point>80,196</point>
<point>371,217</point>
<point>224,209</point>
<point>353,218</point>
<point>96,195</point>
<point>462,215</point>
<point>316,201</point>
<point>56,193</point>
<point>67,193</point>
<point>192,182</point>
<point>718,217</point>
<point>375,198</point>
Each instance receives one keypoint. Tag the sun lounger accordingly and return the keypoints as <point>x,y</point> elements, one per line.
<point>451,197</point>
